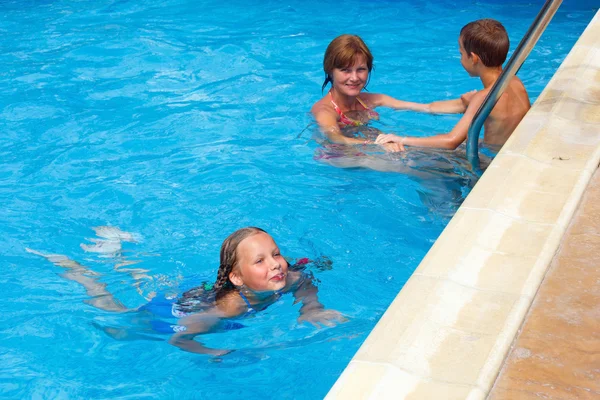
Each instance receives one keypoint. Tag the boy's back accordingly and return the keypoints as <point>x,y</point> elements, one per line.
<point>506,114</point>
<point>483,47</point>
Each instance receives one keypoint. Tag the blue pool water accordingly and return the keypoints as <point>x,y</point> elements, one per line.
<point>179,122</point>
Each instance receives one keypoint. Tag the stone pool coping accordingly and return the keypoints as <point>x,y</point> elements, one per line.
<point>446,334</point>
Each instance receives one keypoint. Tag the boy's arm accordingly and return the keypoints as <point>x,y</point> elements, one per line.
<point>456,106</point>
<point>449,140</point>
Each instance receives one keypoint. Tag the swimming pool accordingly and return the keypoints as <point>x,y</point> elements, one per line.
<point>123,115</point>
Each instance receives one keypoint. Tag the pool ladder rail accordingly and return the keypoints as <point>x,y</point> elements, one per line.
<point>512,67</point>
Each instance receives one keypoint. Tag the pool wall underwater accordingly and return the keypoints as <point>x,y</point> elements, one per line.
<point>448,331</point>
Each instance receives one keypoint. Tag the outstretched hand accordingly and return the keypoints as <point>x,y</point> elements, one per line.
<point>322,316</point>
<point>387,138</point>
<point>390,142</point>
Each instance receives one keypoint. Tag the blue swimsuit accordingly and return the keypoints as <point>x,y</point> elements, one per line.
<point>163,307</point>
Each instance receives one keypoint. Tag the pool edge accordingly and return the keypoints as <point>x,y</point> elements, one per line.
<point>449,329</point>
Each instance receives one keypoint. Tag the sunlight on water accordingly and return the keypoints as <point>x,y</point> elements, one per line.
<point>137,135</point>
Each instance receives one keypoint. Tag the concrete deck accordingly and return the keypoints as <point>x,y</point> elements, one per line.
<point>557,352</point>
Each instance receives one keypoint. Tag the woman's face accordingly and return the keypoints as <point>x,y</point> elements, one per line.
<point>351,80</point>
<point>260,267</point>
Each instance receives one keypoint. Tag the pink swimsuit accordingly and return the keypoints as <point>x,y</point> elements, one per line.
<point>345,121</point>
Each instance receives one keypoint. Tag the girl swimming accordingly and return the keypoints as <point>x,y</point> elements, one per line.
<point>252,275</point>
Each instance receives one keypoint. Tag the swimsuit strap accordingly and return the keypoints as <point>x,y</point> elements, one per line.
<point>372,113</point>
<point>343,118</point>
<point>361,103</point>
<point>348,121</point>
<point>250,309</point>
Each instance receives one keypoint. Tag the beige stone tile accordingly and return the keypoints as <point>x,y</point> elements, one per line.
<point>526,131</point>
<point>550,97</point>
<point>486,230</point>
<point>460,357</point>
<point>590,35</point>
<point>576,110</point>
<point>445,333</point>
<point>564,145</point>
<point>537,176</point>
<point>492,179</point>
<point>591,113</point>
<point>441,390</point>
<point>481,268</point>
<point>523,203</point>
<point>363,381</point>
<point>528,189</point>
<point>579,55</point>
<point>586,87</point>
<point>358,381</point>
<point>499,272</point>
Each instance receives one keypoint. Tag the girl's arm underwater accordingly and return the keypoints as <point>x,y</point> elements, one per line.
<point>204,322</point>
<point>312,310</point>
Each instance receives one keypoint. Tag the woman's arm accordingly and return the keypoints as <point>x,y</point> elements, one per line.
<point>383,100</point>
<point>327,121</point>
<point>455,106</point>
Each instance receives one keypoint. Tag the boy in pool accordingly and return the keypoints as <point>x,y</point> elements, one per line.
<point>483,46</point>
<point>252,275</point>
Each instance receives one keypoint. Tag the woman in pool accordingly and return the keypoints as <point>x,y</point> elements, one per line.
<point>347,65</point>
<point>252,275</point>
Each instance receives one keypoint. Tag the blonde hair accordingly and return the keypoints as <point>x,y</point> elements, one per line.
<point>199,297</point>
<point>342,52</point>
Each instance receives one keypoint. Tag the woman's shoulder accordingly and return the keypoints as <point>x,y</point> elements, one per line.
<point>323,105</point>
<point>371,99</point>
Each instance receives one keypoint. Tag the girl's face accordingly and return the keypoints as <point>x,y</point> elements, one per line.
<point>352,79</point>
<point>260,267</point>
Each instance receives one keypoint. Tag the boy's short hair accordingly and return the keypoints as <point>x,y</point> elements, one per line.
<point>488,39</point>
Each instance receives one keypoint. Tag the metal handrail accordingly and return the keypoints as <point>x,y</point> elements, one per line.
<point>512,67</point>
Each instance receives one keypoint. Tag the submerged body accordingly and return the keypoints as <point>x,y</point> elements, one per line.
<point>252,275</point>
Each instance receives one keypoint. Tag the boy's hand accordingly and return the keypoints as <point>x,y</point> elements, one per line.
<point>386,139</point>
<point>321,316</point>
<point>392,147</point>
<point>466,98</point>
